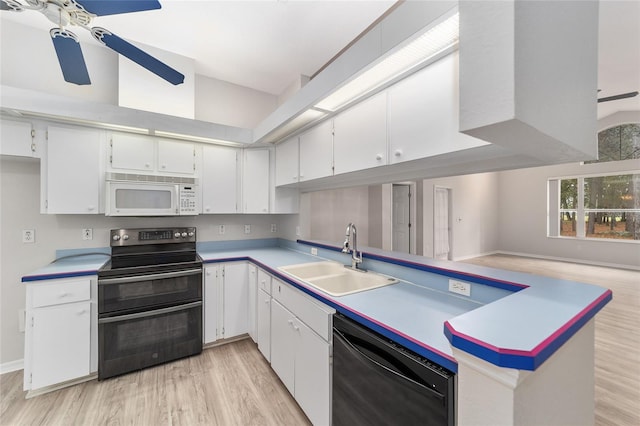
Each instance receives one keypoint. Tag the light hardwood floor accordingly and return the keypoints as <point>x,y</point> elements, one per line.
<point>617,335</point>
<point>234,385</point>
<point>230,384</point>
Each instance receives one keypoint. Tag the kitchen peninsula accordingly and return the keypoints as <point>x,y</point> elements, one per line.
<point>522,345</point>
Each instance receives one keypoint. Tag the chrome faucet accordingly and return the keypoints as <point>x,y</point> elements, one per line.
<point>347,247</point>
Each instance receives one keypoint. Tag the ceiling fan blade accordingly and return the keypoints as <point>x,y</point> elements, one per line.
<point>4,6</point>
<point>12,5</point>
<point>70,56</point>
<point>138,56</point>
<point>620,96</point>
<point>114,7</point>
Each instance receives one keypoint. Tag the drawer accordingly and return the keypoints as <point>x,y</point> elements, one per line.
<point>60,291</point>
<point>264,281</point>
<point>313,313</point>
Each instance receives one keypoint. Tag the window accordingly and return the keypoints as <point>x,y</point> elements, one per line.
<point>619,143</point>
<point>609,206</point>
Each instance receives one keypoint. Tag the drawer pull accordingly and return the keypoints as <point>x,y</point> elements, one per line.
<point>64,294</point>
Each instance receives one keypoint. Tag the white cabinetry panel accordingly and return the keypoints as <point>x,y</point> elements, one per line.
<point>15,139</point>
<point>287,162</point>
<point>282,345</point>
<point>423,114</point>
<point>219,180</point>
<point>252,303</point>
<point>264,323</point>
<point>255,181</point>
<point>226,301</point>
<point>74,176</point>
<point>176,157</point>
<point>360,136</point>
<point>132,152</point>
<point>316,152</point>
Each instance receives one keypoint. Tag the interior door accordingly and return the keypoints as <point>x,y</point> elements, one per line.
<point>401,218</point>
<point>441,228</point>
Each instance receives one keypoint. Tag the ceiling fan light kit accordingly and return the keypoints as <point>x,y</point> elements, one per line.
<point>81,13</point>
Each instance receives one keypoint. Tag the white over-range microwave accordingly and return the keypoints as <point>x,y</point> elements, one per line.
<point>150,195</point>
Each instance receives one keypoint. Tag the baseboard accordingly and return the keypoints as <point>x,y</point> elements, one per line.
<point>570,260</point>
<point>10,366</point>
<point>462,258</point>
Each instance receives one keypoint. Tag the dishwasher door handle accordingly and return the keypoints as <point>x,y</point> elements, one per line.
<point>357,352</point>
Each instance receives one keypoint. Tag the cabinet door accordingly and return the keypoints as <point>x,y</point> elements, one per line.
<point>264,324</point>
<point>61,339</point>
<point>312,373</point>
<point>132,152</point>
<point>360,136</point>
<point>253,307</point>
<point>211,302</point>
<point>219,179</point>
<point>236,300</point>
<point>287,162</point>
<point>282,344</point>
<point>424,111</point>
<point>255,182</point>
<point>16,139</point>
<point>74,177</point>
<point>316,152</point>
<point>176,157</point>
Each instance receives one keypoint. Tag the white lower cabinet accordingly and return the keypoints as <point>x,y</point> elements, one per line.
<point>226,301</point>
<point>264,323</point>
<point>60,331</point>
<point>253,297</point>
<point>300,354</point>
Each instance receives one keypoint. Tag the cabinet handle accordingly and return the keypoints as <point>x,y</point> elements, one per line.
<point>64,294</point>
<point>147,165</point>
<point>290,322</point>
<point>164,166</point>
<point>82,312</point>
<point>266,301</point>
<point>91,208</point>
<point>379,157</point>
<point>398,153</point>
<point>296,328</point>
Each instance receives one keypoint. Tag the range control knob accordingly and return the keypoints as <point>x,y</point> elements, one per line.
<point>115,237</point>
<point>176,235</point>
<point>125,237</point>
<point>184,235</point>
<point>191,234</point>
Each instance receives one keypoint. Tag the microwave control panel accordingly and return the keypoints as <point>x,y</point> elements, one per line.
<point>188,200</point>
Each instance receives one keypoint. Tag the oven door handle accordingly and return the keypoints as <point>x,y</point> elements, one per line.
<point>149,313</point>
<point>138,278</point>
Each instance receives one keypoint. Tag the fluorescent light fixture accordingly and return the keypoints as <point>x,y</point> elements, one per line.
<point>193,138</point>
<point>300,121</point>
<point>71,120</point>
<point>440,37</point>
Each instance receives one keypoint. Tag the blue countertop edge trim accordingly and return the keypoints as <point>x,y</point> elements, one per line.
<point>56,276</point>
<point>525,360</point>
<point>492,282</point>
<point>421,349</point>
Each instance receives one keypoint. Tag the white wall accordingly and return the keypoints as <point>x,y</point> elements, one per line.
<point>474,214</point>
<point>19,209</point>
<point>523,217</point>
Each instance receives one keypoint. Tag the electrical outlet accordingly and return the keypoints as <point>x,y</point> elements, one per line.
<point>247,229</point>
<point>314,251</point>
<point>87,234</point>
<point>28,236</point>
<point>460,287</point>
<point>274,228</point>
<point>220,229</point>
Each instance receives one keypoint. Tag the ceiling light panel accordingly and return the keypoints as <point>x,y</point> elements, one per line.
<point>300,121</point>
<point>437,39</point>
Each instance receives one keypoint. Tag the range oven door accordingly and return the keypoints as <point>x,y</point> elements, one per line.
<point>136,292</point>
<point>134,341</point>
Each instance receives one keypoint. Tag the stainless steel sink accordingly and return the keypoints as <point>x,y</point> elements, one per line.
<point>336,279</point>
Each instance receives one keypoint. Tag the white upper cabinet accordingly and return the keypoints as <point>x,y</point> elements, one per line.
<point>132,152</point>
<point>423,114</point>
<point>74,173</point>
<point>219,179</point>
<point>360,136</point>
<point>16,139</point>
<point>176,157</point>
<point>255,181</point>
<point>316,152</point>
<point>146,154</point>
<point>287,162</point>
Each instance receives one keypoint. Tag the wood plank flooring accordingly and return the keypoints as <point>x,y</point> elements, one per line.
<point>234,385</point>
<point>617,335</point>
<point>230,384</point>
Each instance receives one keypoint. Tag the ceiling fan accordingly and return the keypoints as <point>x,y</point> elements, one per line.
<point>80,13</point>
<point>616,97</point>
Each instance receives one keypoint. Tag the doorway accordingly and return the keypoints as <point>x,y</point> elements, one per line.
<point>401,218</point>
<point>441,223</point>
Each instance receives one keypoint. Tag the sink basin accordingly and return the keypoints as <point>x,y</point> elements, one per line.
<point>335,279</point>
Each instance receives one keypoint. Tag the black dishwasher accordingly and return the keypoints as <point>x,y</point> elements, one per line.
<point>376,382</point>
